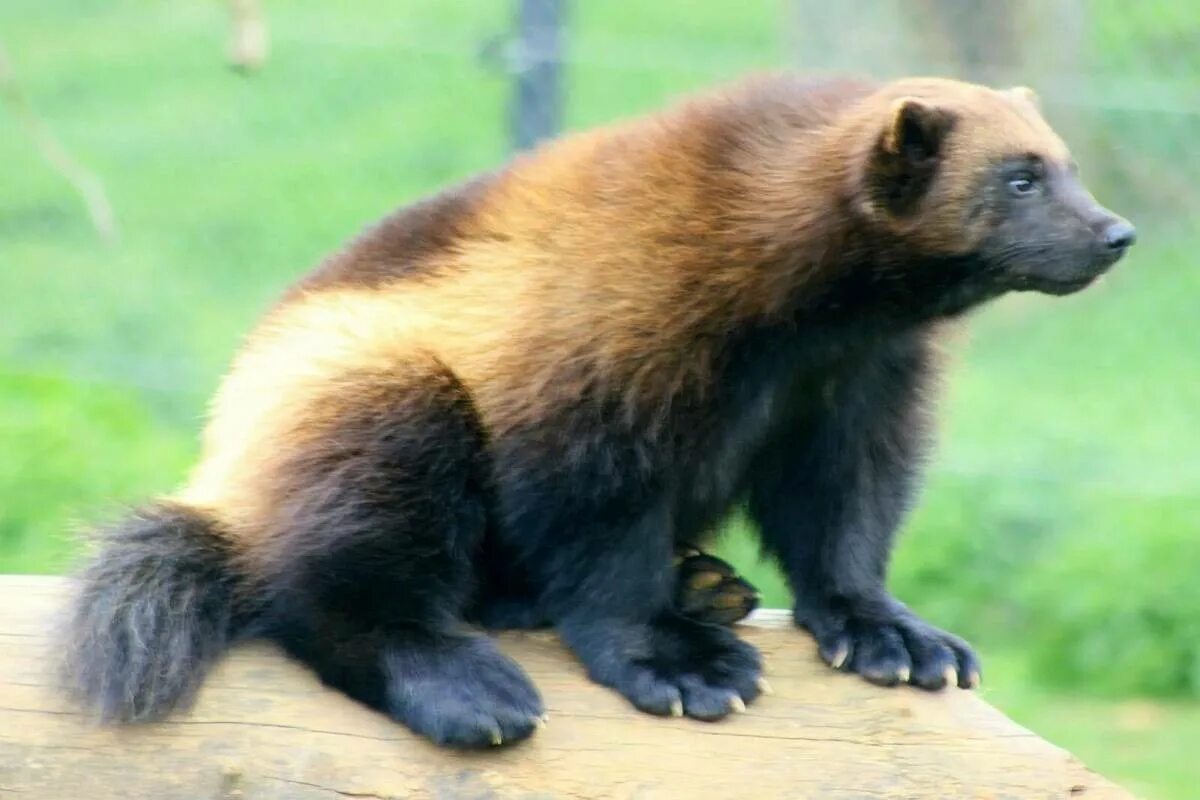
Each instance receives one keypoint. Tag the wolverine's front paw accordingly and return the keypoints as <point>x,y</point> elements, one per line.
<point>674,666</point>
<point>699,670</point>
<point>887,644</point>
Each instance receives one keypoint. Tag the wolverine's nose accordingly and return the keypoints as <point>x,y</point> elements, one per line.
<point>1119,235</point>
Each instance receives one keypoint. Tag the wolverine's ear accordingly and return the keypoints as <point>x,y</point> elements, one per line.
<point>1027,95</point>
<point>907,155</point>
<point>916,131</point>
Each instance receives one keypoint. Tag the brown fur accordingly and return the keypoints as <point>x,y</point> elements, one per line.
<point>510,403</point>
<point>622,251</point>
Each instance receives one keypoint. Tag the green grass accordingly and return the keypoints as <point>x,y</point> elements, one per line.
<point>1061,521</point>
<point>1147,746</point>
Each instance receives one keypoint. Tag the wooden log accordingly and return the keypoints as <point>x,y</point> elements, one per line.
<point>265,728</point>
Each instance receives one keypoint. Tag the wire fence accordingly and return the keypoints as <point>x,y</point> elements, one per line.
<point>354,109</point>
<point>1120,80</point>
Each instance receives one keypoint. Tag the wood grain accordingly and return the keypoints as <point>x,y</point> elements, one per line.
<point>265,728</point>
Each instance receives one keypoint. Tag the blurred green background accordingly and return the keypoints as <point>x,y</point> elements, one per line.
<point>1060,528</point>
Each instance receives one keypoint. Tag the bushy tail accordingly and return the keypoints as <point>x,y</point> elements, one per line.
<point>156,607</point>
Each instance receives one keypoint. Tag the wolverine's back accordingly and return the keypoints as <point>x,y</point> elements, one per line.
<point>606,262</point>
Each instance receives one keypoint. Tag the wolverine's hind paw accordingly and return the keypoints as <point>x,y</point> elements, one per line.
<point>708,589</point>
<point>462,692</point>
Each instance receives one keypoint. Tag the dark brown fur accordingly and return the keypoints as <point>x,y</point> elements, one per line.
<point>513,402</point>
<point>405,245</point>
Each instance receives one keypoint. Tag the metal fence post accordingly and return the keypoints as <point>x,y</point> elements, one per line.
<point>536,64</point>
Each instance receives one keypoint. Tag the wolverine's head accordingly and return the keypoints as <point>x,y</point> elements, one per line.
<point>975,177</point>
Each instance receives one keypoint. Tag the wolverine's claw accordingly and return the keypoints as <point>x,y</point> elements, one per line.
<point>839,658</point>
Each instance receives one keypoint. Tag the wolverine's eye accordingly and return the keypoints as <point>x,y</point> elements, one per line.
<point>1023,185</point>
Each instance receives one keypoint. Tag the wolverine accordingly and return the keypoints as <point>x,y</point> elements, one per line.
<point>513,403</point>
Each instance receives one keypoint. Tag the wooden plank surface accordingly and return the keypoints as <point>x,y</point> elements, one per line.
<point>265,728</point>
